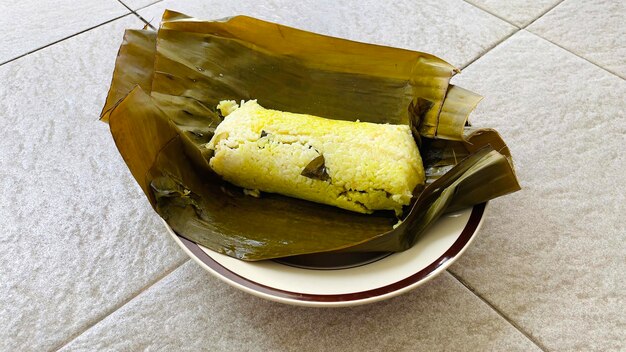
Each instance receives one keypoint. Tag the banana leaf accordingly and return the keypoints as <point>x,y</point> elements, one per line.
<point>134,66</point>
<point>161,112</point>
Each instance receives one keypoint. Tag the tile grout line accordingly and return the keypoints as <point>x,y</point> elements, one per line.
<point>560,46</point>
<point>65,38</point>
<point>492,14</point>
<point>515,325</point>
<point>491,47</point>
<point>543,13</point>
<point>488,49</point>
<point>575,54</point>
<point>525,28</point>
<point>518,29</point>
<point>134,12</point>
<point>508,21</point>
<point>86,30</point>
<point>526,334</point>
<point>120,305</point>
<point>146,6</point>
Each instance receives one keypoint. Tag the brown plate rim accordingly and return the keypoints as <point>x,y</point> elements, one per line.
<point>457,247</point>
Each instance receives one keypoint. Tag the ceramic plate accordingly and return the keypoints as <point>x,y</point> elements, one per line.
<point>340,280</point>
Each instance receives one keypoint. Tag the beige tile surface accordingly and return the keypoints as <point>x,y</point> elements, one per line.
<point>190,311</point>
<point>595,30</point>
<point>552,257</point>
<point>30,24</point>
<point>517,12</point>
<point>78,237</point>
<point>453,29</point>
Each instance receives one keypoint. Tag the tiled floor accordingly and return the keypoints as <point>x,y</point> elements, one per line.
<point>86,265</point>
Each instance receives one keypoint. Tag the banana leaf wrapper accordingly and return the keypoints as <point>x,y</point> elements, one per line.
<point>161,112</point>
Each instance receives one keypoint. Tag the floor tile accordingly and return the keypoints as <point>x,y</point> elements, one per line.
<point>454,30</point>
<point>78,237</point>
<point>31,24</point>
<point>518,12</point>
<point>595,30</point>
<point>138,4</point>
<point>190,311</point>
<point>552,257</point>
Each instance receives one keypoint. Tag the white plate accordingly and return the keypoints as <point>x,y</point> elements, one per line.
<point>378,279</point>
